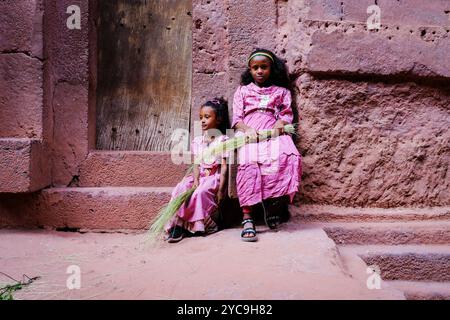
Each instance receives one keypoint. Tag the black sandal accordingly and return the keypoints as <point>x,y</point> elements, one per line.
<point>176,234</point>
<point>251,230</point>
<point>273,221</point>
<point>271,216</point>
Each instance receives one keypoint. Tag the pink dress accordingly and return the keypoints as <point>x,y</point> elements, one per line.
<point>271,168</point>
<point>195,215</point>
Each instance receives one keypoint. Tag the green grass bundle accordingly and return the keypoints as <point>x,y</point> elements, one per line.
<point>238,142</point>
<point>169,211</point>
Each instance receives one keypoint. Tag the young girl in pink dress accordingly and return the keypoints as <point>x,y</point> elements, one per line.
<point>269,171</point>
<point>209,177</point>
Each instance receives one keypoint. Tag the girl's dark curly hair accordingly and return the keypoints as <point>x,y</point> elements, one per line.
<point>220,107</point>
<point>278,73</point>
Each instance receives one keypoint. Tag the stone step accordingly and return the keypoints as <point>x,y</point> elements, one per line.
<point>406,262</point>
<point>420,290</point>
<point>90,209</point>
<point>394,233</point>
<point>316,213</point>
<point>130,169</point>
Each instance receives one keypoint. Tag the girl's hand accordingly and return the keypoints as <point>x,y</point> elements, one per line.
<point>279,127</point>
<point>251,134</point>
<point>196,183</point>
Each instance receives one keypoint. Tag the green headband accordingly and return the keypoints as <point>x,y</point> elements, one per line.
<point>260,54</point>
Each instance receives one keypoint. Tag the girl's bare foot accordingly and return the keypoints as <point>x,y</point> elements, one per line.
<point>248,232</point>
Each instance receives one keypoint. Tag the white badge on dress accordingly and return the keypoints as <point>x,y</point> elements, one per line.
<point>264,102</point>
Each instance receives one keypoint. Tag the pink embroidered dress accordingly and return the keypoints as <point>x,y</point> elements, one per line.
<point>194,216</point>
<point>271,168</point>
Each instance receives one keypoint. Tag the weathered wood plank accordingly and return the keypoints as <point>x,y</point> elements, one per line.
<point>144,73</point>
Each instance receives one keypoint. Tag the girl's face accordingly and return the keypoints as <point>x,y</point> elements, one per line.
<point>208,118</point>
<point>260,67</point>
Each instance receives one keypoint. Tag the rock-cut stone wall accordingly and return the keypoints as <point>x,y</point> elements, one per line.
<point>373,104</point>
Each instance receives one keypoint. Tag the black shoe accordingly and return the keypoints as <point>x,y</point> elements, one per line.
<point>285,215</point>
<point>274,210</point>
<point>176,234</point>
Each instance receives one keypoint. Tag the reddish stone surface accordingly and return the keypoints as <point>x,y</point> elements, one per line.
<point>400,233</point>
<point>92,209</point>
<point>421,290</point>
<point>21,94</point>
<point>23,166</point>
<point>374,144</point>
<point>325,27</point>
<point>401,13</point>
<point>19,210</point>
<point>374,118</point>
<point>21,26</point>
<point>416,263</point>
<point>390,52</point>
<point>210,42</point>
<point>247,30</point>
<point>303,264</point>
<point>205,87</point>
<point>70,134</point>
<point>327,213</point>
<point>130,168</point>
<point>323,9</point>
<point>67,49</point>
<point>67,74</point>
<point>406,13</point>
<point>373,122</point>
<point>15,165</point>
<point>24,159</point>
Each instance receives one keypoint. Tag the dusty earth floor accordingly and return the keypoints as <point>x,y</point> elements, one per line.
<point>295,262</point>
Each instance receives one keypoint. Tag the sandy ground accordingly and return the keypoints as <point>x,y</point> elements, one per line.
<point>294,262</point>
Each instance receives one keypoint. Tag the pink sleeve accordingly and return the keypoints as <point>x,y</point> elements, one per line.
<point>238,107</point>
<point>285,109</point>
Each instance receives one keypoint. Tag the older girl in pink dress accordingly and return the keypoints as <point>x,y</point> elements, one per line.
<point>209,177</point>
<point>269,171</point>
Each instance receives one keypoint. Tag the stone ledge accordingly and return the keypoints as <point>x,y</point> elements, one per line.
<point>407,262</point>
<point>328,213</point>
<point>390,233</point>
<point>107,208</point>
<point>423,290</point>
<point>378,53</point>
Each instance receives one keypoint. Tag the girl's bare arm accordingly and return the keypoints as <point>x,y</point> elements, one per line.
<point>223,174</point>
<point>196,175</point>
<point>223,180</point>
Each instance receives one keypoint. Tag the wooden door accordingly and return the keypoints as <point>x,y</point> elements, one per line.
<point>144,73</point>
